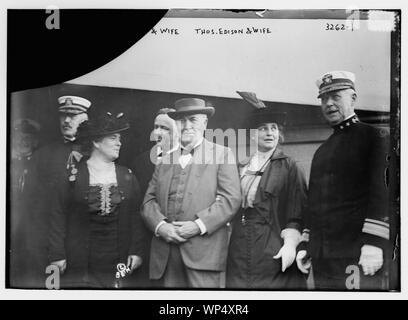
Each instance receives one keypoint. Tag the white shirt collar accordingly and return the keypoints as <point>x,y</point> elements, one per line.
<point>349,117</point>
<point>176,147</point>
<point>200,141</point>
<point>69,139</point>
<point>258,160</point>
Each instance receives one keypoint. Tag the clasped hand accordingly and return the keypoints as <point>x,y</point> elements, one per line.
<point>178,231</point>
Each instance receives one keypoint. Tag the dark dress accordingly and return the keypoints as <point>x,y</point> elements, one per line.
<point>256,231</point>
<point>94,228</point>
<point>103,235</point>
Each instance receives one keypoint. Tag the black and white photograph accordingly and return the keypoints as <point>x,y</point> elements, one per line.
<point>216,150</point>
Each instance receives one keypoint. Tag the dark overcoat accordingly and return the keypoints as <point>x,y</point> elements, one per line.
<point>255,240</point>
<point>348,196</point>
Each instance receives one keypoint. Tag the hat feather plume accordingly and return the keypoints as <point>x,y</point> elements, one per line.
<point>252,99</point>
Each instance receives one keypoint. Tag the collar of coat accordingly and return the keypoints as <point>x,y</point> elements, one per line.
<point>205,148</point>
<point>277,154</point>
<point>123,176</point>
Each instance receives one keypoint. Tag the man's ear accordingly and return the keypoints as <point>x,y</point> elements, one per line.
<point>354,97</point>
<point>95,144</point>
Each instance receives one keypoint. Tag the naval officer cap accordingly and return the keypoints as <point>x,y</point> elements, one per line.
<point>335,80</point>
<point>73,104</point>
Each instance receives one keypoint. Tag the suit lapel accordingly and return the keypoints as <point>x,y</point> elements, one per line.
<point>278,154</point>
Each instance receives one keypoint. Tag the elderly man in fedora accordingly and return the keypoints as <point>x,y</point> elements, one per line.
<point>193,194</point>
<point>347,215</point>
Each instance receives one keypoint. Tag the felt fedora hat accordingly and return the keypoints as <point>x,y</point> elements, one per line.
<point>189,106</point>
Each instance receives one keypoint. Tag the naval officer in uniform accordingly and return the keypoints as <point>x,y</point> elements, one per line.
<point>54,162</point>
<point>347,214</point>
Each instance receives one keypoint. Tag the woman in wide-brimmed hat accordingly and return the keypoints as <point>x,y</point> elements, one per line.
<point>267,228</point>
<point>95,226</point>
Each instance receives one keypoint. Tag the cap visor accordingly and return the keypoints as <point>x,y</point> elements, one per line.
<point>334,88</point>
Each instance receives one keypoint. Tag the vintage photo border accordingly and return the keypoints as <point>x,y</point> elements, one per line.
<point>395,124</point>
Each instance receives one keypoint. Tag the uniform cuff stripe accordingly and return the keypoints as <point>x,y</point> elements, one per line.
<point>376,230</point>
<point>381,223</point>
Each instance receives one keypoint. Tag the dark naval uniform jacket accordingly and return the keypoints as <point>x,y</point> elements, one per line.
<point>55,162</point>
<point>348,197</point>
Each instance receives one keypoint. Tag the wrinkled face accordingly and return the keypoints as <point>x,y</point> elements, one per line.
<point>191,128</point>
<point>69,123</point>
<point>267,136</point>
<point>109,146</point>
<point>338,105</point>
<point>24,143</point>
<point>164,131</point>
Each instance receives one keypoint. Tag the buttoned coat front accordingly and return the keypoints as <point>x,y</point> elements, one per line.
<point>212,194</point>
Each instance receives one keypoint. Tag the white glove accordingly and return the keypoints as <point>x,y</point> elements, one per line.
<point>371,259</point>
<point>291,239</point>
<point>303,266</point>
